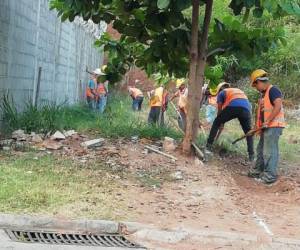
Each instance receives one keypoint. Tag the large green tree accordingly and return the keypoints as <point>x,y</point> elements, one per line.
<point>161,36</point>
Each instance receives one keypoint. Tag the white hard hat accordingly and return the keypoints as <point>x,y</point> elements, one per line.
<point>98,72</point>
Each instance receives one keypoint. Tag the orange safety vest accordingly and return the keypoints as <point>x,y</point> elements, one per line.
<point>136,92</point>
<point>101,89</point>
<point>232,94</point>
<point>265,106</point>
<point>88,92</point>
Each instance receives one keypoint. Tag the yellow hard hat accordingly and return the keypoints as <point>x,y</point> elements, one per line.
<point>222,84</point>
<point>213,91</point>
<point>256,74</point>
<point>179,82</point>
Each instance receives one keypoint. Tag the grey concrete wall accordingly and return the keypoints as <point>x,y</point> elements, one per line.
<point>31,36</point>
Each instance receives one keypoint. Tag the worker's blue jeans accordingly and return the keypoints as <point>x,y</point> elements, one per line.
<point>101,104</point>
<point>137,103</point>
<point>268,153</point>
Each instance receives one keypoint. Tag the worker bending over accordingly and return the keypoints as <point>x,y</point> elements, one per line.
<point>232,104</point>
<point>137,98</point>
<point>270,117</point>
<point>182,94</point>
<point>158,105</point>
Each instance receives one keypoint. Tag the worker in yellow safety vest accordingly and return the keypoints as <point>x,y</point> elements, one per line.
<point>232,104</point>
<point>137,98</point>
<point>270,117</point>
<point>158,105</point>
<point>182,94</point>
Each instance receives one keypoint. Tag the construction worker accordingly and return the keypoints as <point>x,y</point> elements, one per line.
<point>158,105</point>
<point>90,92</point>
<point>232,104</point>
<point>137,98</point>
<point>270,117</point>
<point>101,90</point>
<point>182,94</point>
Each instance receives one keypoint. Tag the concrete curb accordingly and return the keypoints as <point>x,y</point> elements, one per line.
<point>137,230</point>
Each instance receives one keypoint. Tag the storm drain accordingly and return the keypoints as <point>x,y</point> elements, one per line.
<point>104,240</point>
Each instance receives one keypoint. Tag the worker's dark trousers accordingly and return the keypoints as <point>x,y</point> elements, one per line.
<point>230,113</point>
<point>156,116</point>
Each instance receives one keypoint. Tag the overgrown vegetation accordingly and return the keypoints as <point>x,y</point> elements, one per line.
<point>117,121</point>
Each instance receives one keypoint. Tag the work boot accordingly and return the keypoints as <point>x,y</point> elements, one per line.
<point>254,173</point>
<point>267,179</point>
<point>208,150</point>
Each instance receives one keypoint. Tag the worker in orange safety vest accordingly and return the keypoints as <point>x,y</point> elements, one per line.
<point>232,104</point>
<point>270,117</point>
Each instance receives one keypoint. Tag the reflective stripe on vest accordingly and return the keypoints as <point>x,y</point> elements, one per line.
<point>265,105</point>
<point>156,99</point>
<point>232,94</point>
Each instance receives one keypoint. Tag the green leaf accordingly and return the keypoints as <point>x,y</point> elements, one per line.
<point>258,12</point>
<point>163,4</point>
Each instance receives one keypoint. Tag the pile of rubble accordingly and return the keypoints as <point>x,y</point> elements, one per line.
<point>21,141</point>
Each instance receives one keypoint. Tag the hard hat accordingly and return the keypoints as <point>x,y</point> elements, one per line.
<point>213,91</point>
<point>100,72</point>
<point>259,73</point>
<point>222,84</point>
<point>179,82</point>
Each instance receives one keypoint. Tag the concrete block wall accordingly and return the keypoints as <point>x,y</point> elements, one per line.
<point>31,36</point>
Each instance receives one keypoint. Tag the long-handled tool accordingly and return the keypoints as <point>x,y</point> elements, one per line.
<point>250,133</point>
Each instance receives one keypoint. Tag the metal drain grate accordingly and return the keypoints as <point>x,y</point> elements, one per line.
<point>105,240</point>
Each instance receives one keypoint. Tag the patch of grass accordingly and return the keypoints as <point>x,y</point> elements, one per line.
<point>51,185</point>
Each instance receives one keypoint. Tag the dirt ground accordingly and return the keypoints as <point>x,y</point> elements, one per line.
<point>187,194</point>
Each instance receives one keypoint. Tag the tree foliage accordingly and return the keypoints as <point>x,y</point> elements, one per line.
<point>156,34</point>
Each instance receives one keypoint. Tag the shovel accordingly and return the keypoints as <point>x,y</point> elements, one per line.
<point>250,133</point>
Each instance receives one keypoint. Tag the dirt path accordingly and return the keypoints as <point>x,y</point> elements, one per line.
<point>215,196</point>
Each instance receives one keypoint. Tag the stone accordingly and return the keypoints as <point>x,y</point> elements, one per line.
<point>169,144</point>
<point>177,175</point>
<point>58,136</point>
<point>6,143</point>
<point>92,143</point>
<point>19,135</point>
<point>36,138</point>
<point>6,148</point>
<point>69,133</point>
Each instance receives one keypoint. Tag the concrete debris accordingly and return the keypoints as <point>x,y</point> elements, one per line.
<point>93,143</point>
<point>58,136</point>
<point>6,148</point>
<point>169,144</point>
<point>19,135</point>
<point>36,138</point>
<point>70,133</point>
<point>135,138</point>
<point>52,145</point>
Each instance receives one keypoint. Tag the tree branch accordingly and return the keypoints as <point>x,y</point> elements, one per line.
<point>215,51</point>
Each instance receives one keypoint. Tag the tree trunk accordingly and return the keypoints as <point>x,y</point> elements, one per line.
<point>192,78</point>
<point>196,77</point>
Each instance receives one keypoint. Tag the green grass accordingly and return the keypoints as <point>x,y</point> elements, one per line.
<point>51,185</point>
<point>117,121</point>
